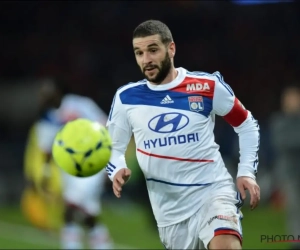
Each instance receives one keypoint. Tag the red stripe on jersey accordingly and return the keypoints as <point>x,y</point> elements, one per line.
<point>237,115</point>
<point>173,158</point>
<point>228,231</point>
<point>198,86</point>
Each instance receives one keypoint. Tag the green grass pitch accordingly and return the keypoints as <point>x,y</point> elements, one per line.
<point>130,229</point>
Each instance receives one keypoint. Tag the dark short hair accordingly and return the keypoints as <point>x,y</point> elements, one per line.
<point>153,27</point>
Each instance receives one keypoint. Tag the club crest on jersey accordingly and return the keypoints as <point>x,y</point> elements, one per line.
<point>196,103</point>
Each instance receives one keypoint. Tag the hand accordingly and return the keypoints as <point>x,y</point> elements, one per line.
<point>120,179</point>
<point>246,183</point>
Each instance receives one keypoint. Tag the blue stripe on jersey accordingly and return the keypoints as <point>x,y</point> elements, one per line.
<point>113,102</point>
<point>227,228</point>
<point>142,95</point>
<point>178,184</point>
<point>112,108</point>
<point>50,117</point>
<point>217,74</point>
<point>221,80</point>
<point>110,164</point>
<point>108,169</point>
<point>256,161</point>
<point>240,202</point>
<point>198,73</point>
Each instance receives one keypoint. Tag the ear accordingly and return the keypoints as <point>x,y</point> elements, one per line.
<point>172,50</point>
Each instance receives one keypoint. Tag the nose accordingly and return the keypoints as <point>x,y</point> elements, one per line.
<point>146,59</point>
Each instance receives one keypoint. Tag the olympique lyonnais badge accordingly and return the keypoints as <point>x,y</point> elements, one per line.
<point>196,103</point>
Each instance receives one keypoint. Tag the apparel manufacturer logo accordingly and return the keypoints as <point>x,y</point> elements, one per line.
<point>167,100</point>
<point>168,122</point>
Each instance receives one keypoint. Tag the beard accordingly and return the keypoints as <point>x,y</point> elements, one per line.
<point>163,70</point>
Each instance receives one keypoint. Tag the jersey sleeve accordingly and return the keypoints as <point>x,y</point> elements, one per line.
<point>92,111</point>
<point>228,106</point>
<point>46,132</point>
<point>120,131</point>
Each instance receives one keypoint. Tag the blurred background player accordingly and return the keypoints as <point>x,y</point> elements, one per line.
<point>41,205</point>
<point>285,134</point>
<point>81,196</point>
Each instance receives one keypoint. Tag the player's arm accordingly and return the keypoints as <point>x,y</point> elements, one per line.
<point>227,105</point>
<point>46,132</point>
<point>120,131</point>
<point>28,153</point>
<point>92,111</point>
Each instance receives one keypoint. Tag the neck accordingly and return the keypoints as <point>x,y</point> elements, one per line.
<point>170,77</point>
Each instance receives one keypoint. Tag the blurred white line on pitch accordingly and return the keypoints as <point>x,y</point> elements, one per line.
<point>33,236</point>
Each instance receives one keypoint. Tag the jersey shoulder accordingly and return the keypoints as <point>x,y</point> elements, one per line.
<point>198,83</point>
<point>78,102</point>
<point>74,106</point>
<point>131,85</point>
<point>199,74</point>
<point>132,90</point>
<point>215,76</point>
<point>74,98</point>
<point>202,83</point>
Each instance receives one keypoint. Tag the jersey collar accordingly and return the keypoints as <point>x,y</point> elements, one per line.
<point>179,78</point>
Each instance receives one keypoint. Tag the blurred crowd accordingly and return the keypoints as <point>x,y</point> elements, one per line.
<point>88,45</point>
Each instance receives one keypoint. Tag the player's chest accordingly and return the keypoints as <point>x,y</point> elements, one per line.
<point>171,100</point>
<point>168,110</point>
<point>163,120</point>
<point>174,100</point>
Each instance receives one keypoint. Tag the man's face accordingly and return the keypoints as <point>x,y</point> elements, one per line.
<point>291,101</point>
<point>153,57</point>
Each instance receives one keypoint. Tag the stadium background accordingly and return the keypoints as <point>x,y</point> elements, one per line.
<point>88,44</point>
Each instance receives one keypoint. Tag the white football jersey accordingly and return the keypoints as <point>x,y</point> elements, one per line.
<point>72,107</point>
<point>173,127</point>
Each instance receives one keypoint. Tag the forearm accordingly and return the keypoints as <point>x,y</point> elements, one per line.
<point>249,137</point>
<point>120,139</point>
<point>117,162</point>
<point>120,131</point>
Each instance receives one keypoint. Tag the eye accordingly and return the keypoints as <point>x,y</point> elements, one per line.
<point>138,53</point>
<point>153,50</point>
